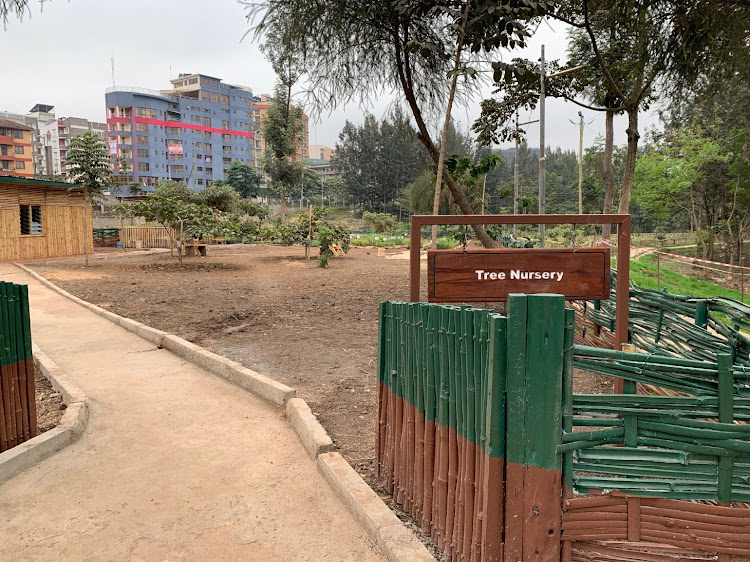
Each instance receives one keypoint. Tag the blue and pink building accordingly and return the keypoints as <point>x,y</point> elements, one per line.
<point>192,132</point>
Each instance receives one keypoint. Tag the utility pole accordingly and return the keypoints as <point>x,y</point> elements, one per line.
<point>515,171</point>
<point>580,164</point>
<point>542,158</point>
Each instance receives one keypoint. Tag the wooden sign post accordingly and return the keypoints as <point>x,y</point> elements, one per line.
<point>491,275</point>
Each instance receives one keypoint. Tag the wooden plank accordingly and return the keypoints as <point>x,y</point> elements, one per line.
<point>491,275</point>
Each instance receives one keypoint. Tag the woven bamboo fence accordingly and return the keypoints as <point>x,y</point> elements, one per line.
<point>17,388</point>
<point>145,237</point>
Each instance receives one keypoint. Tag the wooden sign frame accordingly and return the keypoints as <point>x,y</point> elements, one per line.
<point>490,275</point>
<point>623,250</point>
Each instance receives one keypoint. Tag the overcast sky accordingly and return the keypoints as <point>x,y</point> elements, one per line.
<point>62,57</point>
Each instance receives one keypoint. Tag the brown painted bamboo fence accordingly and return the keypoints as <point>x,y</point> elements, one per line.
<point>17,389</point>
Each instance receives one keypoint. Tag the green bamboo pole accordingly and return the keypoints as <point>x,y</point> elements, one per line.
<point>726,414</point>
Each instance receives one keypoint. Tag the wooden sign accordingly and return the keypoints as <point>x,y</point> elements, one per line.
<point>491,275</point>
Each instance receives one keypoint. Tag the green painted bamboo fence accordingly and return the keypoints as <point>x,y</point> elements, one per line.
<point>17,389</point>
<point>663,323</point>
<point>451,380</point>
<point>678,447</point>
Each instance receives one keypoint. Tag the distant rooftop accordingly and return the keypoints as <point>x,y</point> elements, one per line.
<point>42,108</point>
<point>8,124</point>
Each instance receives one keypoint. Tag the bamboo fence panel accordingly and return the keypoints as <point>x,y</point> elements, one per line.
<point>145,237</point>
<point>17,387</point>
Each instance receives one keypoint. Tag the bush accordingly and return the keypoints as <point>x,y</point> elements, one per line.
<point>380,222</point>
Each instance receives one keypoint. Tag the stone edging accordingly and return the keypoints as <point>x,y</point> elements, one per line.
<point>71,426</point>
<point>373,516</point>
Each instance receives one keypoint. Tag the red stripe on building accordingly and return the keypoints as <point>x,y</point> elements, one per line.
<point>181,125</point>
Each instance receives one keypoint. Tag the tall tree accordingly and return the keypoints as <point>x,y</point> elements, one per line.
<point>354,48</point>
<point>87,160</point>
<point>283,129</point>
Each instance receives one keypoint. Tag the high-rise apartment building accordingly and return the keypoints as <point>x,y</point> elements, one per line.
<point>322,152</point>
<point>192,132</point>
<point>15,149</point>
<point>260,108</point>
<point>50,136</point>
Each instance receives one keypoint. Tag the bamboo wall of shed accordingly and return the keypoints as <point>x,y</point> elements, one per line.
<point>66,221</point>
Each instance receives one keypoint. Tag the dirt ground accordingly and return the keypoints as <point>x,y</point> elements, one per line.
<point>269,309</point>
<point>49,405</point>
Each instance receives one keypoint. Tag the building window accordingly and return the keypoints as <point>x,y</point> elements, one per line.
<point>215,83</point>
<point>143,166</point>
<point>208,147</point>
<point>224,100</point>
<point>226,137</point>
<point>17,134</point>
<point>145,112</point>
<point>227,160</point>
<point>31,219</point>
<point>215,98</point>
<point>141,139</point>
<point>141,127</point>
<point>173,131</point>
<point>196,118</point>
<point>227,149</point>
<point>207,121</point>
<point>20,165</point>
<point>142,153</point>
<point>200,168</point>
<point>198,145</point>
<point>225,124</point>
<point>206,96</point>
<point>4,165</point>
<point>209,171</point>
<point>4,149</point>
<point>206,134</point>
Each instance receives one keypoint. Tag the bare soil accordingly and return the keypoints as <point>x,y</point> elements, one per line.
<point>49,404</point>
<point>269,309</point>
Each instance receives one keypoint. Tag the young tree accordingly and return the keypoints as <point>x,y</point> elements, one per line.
<point>182,220</point>
<point>88,166</point>
<point>283,129</point>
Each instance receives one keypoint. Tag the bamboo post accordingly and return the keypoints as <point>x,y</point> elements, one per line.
<point>309,233</point>
<point>726,415</point>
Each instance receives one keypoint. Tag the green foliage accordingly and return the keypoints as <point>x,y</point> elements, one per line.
<point>296,231</point>
<point>380,222</point>
<point>283,129</point>
<point>173,189</point>
<point>51,177</point>
<point>379,240</point>
<point>376,160</point>
<point>88,165</point>
<point>243,178</point>
<point>222,197</point>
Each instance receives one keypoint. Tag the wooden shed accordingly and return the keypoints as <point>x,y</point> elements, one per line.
<point>40,219</point>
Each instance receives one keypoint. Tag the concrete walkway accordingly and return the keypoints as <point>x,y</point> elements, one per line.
<point>176,464</point>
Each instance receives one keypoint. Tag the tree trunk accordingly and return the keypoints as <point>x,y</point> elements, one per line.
<point>608,172</point>
<point>630,160</point>
<point>446,125</point>
<point>283,204</point>
<point>459,196</point>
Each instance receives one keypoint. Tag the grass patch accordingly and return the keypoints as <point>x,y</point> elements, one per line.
<point>643,274</point>
<point>383,240</point>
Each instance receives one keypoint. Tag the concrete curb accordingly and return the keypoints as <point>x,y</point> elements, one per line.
<point>380,523</point>
<point>71,426</point>
<point>373,516</point>
<point>314,437</point>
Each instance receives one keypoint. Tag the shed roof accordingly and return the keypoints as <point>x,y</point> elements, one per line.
<point>6,181</point>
